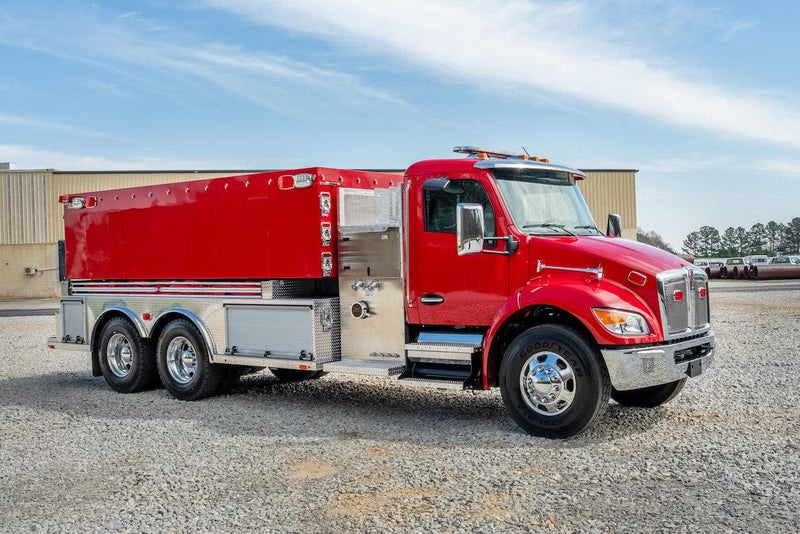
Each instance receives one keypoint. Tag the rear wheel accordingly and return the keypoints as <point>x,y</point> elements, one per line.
<point>553,382</point>
<point>649,397</point>
<point>294,375</point>
<point>126,360</point>
<point>183,362</point>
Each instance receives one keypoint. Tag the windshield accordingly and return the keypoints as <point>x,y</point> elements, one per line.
<point>545,202</point>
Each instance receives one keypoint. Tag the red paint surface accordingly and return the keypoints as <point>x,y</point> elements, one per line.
<point>239,227</point>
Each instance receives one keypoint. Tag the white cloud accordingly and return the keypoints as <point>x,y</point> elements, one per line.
<point>535,46</point>
<point>28,157</point>
<point>30,122</point>
<point>168,59</point>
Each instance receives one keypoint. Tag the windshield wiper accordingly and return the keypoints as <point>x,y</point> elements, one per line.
<point>588,227</point>
<point>549,225</point>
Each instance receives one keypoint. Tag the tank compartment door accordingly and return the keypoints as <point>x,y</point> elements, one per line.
<point>291,329</point>
<point>73,322</point>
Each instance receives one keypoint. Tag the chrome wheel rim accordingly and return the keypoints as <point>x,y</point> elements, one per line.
<point>181,360</point>
<point>547,382</point>
<point>119,355</point>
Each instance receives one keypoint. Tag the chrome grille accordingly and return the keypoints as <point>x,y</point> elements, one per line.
<point>677,311</point>
<point>684,311</point>
<point>701,313</point>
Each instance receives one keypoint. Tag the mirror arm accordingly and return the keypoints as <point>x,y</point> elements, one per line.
<point>511,247</point>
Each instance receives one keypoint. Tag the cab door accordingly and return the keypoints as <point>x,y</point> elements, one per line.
<point>443,287</point>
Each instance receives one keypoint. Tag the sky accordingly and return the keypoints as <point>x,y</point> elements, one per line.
<point>702,97</point>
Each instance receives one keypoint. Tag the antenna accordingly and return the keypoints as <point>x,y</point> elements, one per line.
<point>526,152</point>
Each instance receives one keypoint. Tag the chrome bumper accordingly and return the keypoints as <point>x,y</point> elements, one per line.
<point>652,366</point>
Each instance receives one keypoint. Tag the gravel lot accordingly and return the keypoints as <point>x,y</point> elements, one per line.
<point>347,454</point>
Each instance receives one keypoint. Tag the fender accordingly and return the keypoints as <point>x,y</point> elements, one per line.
<point>574,295</point>
<point>127,312</point>
<point>194,319</point>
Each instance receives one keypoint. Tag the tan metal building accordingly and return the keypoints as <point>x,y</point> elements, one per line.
<point>31,223</point>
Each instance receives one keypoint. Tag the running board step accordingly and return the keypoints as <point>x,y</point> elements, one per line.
<point>353,366</point>
<point>455,353</point>
<point>428,383</point>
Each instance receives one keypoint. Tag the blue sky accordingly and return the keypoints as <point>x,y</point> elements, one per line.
<point>702,97</point>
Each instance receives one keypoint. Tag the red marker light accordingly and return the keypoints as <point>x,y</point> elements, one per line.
<point>146,316</point>
<point>702,292</point>
<point>91,202</point>
<point>678,295</point>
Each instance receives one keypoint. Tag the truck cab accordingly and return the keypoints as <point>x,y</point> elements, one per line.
<point>504,247</point>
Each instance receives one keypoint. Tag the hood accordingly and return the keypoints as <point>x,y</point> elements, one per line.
<point>617,256</point>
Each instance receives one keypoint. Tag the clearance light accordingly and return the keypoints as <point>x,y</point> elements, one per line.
<point>621,322</point>
<point>678,295</point>
<point>295,181</point>
<point>77,203</point>
<point>703,292</point>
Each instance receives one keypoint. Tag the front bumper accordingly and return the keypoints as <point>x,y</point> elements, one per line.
<point>632,368</point>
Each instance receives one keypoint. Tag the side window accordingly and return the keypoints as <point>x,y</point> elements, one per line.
<point>440,206</point>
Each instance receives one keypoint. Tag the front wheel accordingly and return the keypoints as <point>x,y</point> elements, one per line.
<point>649,397</point>
<point>553,382</point>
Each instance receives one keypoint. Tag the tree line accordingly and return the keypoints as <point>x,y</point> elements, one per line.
<point>771,239</point>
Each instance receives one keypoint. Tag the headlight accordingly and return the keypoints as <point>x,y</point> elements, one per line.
<point>621,322</point>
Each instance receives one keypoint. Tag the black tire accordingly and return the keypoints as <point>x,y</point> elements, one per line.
<point>649,397</point>
<point>560,363</point>
<point>183,362</point>
<point>126,360</point>
<point>294,375</point>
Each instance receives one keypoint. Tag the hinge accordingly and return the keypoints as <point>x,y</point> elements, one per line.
<point>327,263</point>
<point>324,204</point>
<point>326,233</point>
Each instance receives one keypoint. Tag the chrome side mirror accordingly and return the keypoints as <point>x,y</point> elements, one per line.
<point>469,228</point>
<point>614,228</point>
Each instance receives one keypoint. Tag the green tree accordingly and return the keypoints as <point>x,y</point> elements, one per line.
<point>756,238</point>
<point>692,244</point>
<point>709,241</point>
<point>728,243</point>
<point>741,241</point>
<point>772,234</point>
<point>653,239</point>
<point>791,236</point>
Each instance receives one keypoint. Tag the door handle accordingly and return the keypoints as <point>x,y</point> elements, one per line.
<point>431,299</point>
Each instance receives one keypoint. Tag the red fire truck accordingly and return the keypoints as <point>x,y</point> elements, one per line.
<point>470,273</point>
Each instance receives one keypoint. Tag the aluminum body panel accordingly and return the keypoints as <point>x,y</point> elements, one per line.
<point>303,330</point>
<point>382,333</point>
<point>73,320</point>
<point>209,314</point>
<point>441,352</point>
<point>431,384</point>
<point>55,343</point>
<point>365,367</point>
<point>375,254</point>
<point>653,366</point>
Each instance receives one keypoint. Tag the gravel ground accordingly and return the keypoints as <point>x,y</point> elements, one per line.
<point>348,454</point>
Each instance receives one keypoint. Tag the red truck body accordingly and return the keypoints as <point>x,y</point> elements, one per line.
<point>239,227</point>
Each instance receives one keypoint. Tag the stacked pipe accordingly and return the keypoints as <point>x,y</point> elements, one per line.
<point>714,271</point>
<point>775,272</point>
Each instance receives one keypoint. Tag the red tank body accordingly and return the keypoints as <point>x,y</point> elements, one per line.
<point>241,227</point>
